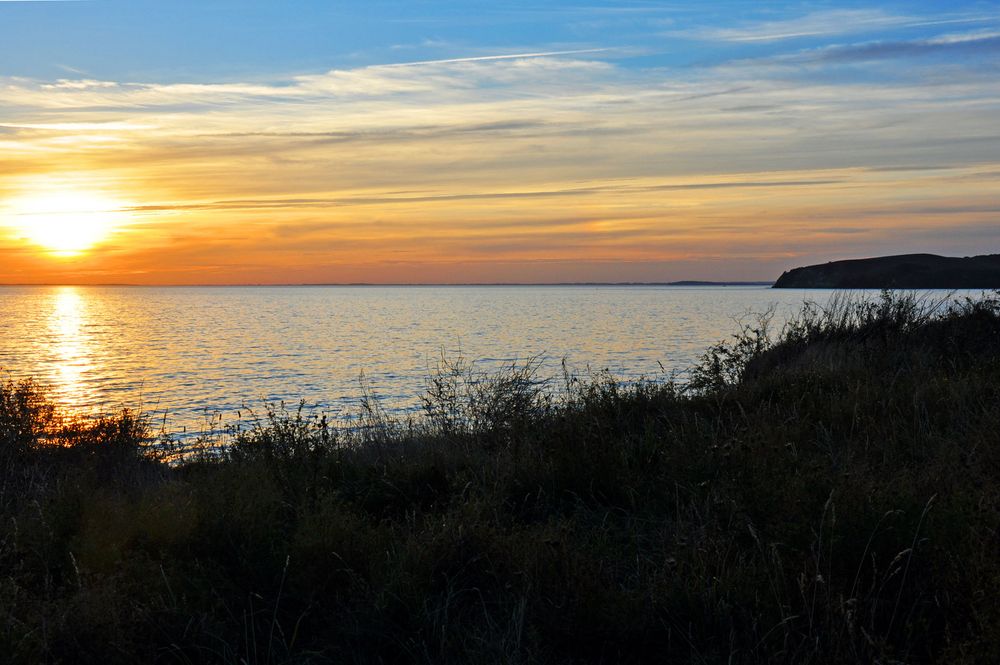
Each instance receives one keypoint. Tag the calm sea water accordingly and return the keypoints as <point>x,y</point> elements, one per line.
<point>192,356</point>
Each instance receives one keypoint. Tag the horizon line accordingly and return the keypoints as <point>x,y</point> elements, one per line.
<point>687,282</point>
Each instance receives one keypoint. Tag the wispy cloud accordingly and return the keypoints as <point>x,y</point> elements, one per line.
<point>397,199</point>
<point>508,56</point>
<point>984,43</point>
<point>829,23</point>
<point>538,163</point>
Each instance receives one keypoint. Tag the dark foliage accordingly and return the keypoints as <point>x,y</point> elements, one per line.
<point>831,495</point>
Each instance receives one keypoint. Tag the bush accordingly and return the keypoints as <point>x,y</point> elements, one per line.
<point>825,494</point>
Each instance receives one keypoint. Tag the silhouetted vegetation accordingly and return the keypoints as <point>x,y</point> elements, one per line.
<point>828,495</point>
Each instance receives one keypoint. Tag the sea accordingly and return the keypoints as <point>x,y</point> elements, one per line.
<point>200,359</point>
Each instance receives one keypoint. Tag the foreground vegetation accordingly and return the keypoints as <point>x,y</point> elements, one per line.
<point>829,496</point>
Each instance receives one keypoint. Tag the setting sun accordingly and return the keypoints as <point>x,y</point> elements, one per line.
<point>66,222</point>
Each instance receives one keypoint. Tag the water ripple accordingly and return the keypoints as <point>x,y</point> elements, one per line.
<point>185,354</point>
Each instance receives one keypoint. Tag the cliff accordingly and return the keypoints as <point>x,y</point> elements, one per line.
<point>906,271</point>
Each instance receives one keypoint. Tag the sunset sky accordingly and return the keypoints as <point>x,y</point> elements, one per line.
<point>242,141</point>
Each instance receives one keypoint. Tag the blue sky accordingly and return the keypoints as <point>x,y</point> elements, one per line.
<point>487,141</point>
<point>174,40</point>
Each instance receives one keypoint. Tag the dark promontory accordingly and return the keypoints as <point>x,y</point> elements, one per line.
<point>906,271</point>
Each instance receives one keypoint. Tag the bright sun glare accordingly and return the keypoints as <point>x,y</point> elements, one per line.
<point>66,222</point>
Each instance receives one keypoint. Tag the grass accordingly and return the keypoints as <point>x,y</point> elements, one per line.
<point>828,494</point>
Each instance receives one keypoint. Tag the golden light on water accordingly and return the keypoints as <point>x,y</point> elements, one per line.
<point>70,346</point>
<point>66,221</point>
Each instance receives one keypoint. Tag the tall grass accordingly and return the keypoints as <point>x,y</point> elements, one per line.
<point>824,493</point>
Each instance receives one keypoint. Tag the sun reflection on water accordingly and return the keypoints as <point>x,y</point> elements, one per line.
<point>71,348</point>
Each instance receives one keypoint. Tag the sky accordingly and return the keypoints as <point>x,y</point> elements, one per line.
<point>298,141</point>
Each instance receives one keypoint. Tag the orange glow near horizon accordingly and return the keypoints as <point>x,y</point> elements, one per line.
<point>641,229</point>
